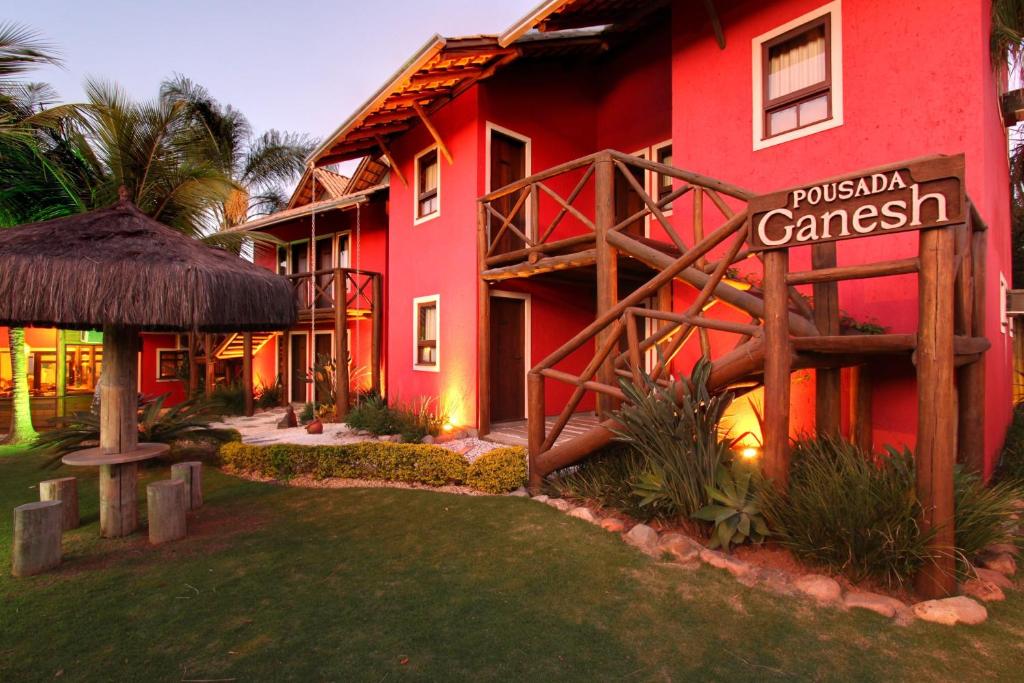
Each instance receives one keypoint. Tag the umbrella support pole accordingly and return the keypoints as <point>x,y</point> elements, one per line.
<point>119,512</point>
<point>119,430</point>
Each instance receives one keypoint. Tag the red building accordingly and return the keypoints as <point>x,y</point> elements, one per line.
<point>744,97</point>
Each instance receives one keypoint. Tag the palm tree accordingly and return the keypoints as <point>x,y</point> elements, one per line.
<point>261,166</point>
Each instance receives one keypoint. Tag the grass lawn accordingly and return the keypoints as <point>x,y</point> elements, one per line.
<point>276,583</point>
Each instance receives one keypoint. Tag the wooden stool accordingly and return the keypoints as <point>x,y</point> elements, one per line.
<point>166,502</point>
<point>192,474</point>
<point>37,529</point>
<point>66,491</point>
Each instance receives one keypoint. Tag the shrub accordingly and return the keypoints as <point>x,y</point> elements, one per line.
<point>410,463</point>
<point>1011,460</point>
<point>498,471</point>
<point>270,395</point>
<point>373,414</point>
<point>848,510</point>
<point>681,444</point>
<point>227,399</point>
<point>307,413</point>
<point>984,515</point>
<point>735,510</point>
<point>607,477</point>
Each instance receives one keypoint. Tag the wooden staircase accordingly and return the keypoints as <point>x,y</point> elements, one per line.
<point>232,345</point>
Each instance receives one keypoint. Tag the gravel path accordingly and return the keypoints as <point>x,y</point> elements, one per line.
<point>261,429</point>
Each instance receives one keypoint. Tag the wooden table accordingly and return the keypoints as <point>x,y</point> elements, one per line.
<point>119,476</point>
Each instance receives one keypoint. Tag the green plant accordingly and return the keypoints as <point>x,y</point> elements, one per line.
<point>1011,459</point>
<point>307,413</point>
<point>411,463</point>
<point>188,420</point>
<point>985,515</point>
<point>735,512</point>
<point>607,477</point>
<point>227,399</point>
<point>499,470</point>
<point>681,443</point>
<point>321,376</point>
<point>373,414</point>
<point>851,511</point>
<point>270,395</point>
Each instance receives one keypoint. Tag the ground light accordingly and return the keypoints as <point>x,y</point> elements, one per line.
<point>749,453</point>
<point>447,426</point>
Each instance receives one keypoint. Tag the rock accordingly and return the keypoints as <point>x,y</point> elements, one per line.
<point>643,537</point>
<point>560,504</point>
<point>735,567</point>
<point>949,611</point>
<point>616,526</point>
<point>583,513</point>
<point>289,419</point>
<point>775,580</point>
<point>541,498</point>
<point>986,591</point>
<point>315,426</point>
<point>520,492</point>
<point>821,588</point>
<point>680,547</point>
<point>999,548</point>
<point>880,604</point>
<point>993,577</point>
<point>1001,562</point>
<point>427,439</point>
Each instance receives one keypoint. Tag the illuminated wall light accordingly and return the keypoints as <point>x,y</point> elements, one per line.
<point>749,453</point>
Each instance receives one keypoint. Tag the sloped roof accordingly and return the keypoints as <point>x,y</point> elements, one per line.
<point>329,185</point>
<point>345,201</point>
<point>558,15</point>
<point>371,171</point>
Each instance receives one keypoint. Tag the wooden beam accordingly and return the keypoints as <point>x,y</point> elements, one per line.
<point>440,76</point>
<point>716,24</point>
<point>828,386</point>
<point>341,350</point>
<point>61,372</point>
<point>247,372</point>
<point>861,423</point>
<point>119,390</point>
<point>535,426</point>
<point>937,419</point>
<point>434,133</point>
<point>193,364</point>
<point>386,151</point>
<point>607,266</point>
<point>377,332</point>
<point>777,360</point>
<point>971,446</point>
<point>836,274</point>
<point>483,343</point>
<point>544,265</point>
<point>208,350</point>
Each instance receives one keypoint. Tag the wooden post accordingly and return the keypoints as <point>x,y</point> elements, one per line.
<point>166,505</point>
<point>282,367</point>
<point>377,320</point>
<point>607,267</point>
<point>119,515</point>
<point>192,474</point>
<point>247,388</point>
<point>65,490</point>
<point>483,338</point>
<point>777,364</point>
<point>119,390</point>
<point>210,368</point>
<point>936,421</point>
<point>340,345</point>
<point>535,425</point>
<point>37,531</point>
<point>827,390</point>
<point>971,378</point>
<point>193,364</point>
<point>62,372</point>
<point>861,420</point>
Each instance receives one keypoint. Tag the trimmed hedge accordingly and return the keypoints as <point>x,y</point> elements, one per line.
<point>383,461</point>
<point>498,471</point>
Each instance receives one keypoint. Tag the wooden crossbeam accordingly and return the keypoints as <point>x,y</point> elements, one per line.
<point>434,133</point>
<point>386,151</point>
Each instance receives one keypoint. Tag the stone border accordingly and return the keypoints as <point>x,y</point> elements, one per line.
<point>998,564</point>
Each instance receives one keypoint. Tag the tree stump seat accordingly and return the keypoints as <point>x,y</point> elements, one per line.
<point>192,474</point>
<point>167,504</point>
<point>65,490</point>
<point>37,532</point>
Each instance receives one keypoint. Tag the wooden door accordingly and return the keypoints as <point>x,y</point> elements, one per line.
<point>508,164</point>
<point>508,359</point>
<point>628,202</point>
<point>298,368</point>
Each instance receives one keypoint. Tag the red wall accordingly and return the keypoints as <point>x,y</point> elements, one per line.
<point>917,81</point>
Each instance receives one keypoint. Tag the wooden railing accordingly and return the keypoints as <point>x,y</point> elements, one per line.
<point>318,287</point>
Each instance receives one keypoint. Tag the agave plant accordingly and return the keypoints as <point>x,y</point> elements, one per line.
<point>735,511</point>
<point>186,420</point>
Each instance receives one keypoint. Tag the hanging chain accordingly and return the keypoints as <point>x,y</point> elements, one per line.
<point>311,288</point>
<point>359,260</point>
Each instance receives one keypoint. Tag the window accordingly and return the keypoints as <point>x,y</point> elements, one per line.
<point>282,260</point>
<point>426,314</point>
<point>798,76</point>
<point>171,364</point>
<point>663,183</point>
<point>428,185</point>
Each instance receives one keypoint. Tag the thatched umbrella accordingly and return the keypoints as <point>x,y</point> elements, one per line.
<point>119,270</point>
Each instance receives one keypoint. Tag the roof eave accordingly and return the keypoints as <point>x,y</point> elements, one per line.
<point>530,21</point>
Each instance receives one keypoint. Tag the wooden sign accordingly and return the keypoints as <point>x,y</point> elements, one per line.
<point>913,195</point>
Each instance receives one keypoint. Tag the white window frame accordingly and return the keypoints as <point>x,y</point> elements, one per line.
<point>309,255</point>
<point>527,340</point>
<point>1005,323</point>
<point>417,219</point>
<point>489,127</point>
<point>653,191</point>
<point>416,365</point>
<point>834,9</point>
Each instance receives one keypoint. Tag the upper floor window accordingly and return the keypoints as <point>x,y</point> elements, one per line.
<point>426,328</point>
<point>663,155</point>
<point>798,78</point>
<point>428,185</point>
